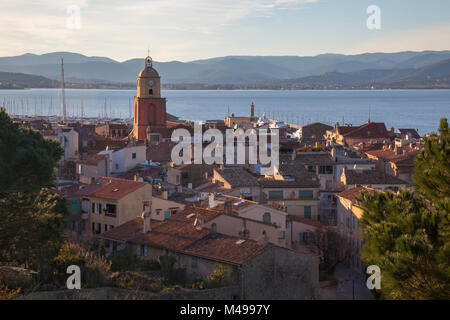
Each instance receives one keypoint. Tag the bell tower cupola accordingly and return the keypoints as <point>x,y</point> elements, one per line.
<point>149,81</point>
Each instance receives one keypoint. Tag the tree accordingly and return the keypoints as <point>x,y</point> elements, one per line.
<point>408,234</point>
<point>27,159</point>
<point>31,218</point>
<point>30,227</point>
<point>432,167</point>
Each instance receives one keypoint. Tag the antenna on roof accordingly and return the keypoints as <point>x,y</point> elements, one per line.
<point>63,102</point>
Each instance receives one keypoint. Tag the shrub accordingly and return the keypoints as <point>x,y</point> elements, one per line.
<point>17,279</point>
<point>7,293</point>
<point>196,284</point>
<point>218,277</point>
<point>137,281</point>
<point>95,270</point>
<point>149,265</point>
<point>123,261</point>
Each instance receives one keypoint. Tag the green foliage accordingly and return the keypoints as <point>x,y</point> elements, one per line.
<point>408,234</point>
<point>197,284</point>
<point>30,228</point>
<point>123,261</point>
<point>171,274</point>
<point>31,218</point>
<point>6,293</point>
<point>432,167</point>
<point>27,159</point>
<point>137,281</point>
<point>95,270</point>
<point>14,280</point>
<point>218,277</point>
<point>171,288</point>
<point>149,265</point>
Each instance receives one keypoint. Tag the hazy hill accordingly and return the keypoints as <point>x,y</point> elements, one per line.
<point>21,80</point>
<point>220,70</point>
<point>435,74</point>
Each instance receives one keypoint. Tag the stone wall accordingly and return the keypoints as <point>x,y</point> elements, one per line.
<point>280,273</point>
<point>110,293</point>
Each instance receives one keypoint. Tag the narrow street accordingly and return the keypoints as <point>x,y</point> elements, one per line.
<point>346,278</point>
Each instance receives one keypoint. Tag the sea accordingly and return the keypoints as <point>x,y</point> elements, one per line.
<point>418,109</point>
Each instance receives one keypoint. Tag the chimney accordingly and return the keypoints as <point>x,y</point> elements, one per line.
<point>228,207</point>
<point>252,110</point>
<point>211,202</point>
<point>146,215</point>
<point>165,195</point>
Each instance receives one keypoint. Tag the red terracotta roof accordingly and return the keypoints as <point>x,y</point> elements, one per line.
<point>311,222</point>
<point>178,233</point>
<point>368,130</point>
<point>412,132</point>
<point>226,248</point>
<point>110,188</point>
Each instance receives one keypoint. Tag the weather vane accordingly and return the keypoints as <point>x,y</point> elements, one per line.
<point>148,60</point>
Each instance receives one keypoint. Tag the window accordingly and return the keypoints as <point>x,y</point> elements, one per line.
<point>145,251</point>
<point>354,224</point>
<point>154,138</point>
<point>96,228</point>
<point>138,250</point>
<point>307,212</point>
<point>325,170</point>
<point>311,169</point>
<point>74,206</point>
<point>83,225</point>
<point>274,195</point>
<point>266,217</point>
<point>150,91</point>
<point>158,212</point>
<point>96,208</point>
<point>194,262</point>
<point>303,239</point>
<point>133,155</point>
<point>111,210</point>
<point>306,194</point>
<point>166,214</point>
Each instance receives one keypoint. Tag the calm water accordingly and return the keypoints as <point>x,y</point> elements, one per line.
<point>420,109</point>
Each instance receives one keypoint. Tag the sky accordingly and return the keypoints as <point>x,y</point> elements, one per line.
<point>187,30</point>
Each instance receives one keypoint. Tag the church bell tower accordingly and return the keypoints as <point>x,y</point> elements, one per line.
<point>149,107</point>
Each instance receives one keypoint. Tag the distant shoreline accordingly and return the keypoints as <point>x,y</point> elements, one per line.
<point>237,89</point>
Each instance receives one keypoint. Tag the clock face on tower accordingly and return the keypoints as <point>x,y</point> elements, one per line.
<point>151,83</point>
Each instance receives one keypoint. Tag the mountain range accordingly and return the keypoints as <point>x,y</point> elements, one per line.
<point>427,68</point>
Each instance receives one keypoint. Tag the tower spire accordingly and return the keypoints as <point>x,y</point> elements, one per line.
<point>63,102</point>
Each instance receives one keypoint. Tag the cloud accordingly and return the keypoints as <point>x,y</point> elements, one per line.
<point>114,24</point>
